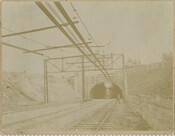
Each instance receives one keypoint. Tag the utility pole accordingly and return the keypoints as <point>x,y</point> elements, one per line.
<point>83,80</point>
<point>46,99</point>
<point>103,60</point>
<point>124,75</point>
<point>62,63</point>
<point>111,60</point>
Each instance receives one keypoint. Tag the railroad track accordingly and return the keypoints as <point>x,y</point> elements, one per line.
<point>98,115</point>
<point>34,107</point>
<point>112,117</point>
<point>38,120</point>
<point>95,121</point>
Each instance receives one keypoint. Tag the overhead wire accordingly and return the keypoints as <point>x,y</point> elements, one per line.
<point>27,49</point>
<point>50,16</point>
<point>73,7</point>
<point>76,12</point>
<point>61,20</point>
<point>30,39</point>
<point>26,37</point>
<point>66,16</point>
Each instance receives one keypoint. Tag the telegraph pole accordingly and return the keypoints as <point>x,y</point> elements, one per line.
<point>62,63</point>
<point>111,60</point>
<point>124,75</point>
<point>46,99</point>
<point>103,60</point>
<point>83,80</point>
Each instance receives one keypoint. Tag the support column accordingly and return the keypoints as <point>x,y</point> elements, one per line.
<point>124,76</point>
<point>103,60</point>
<point>111,60</point>
<point>62,63</point>
<point>83,80</point>
<point>46,99</point>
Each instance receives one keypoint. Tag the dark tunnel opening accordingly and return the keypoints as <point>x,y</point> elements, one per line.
<point>99,91</point>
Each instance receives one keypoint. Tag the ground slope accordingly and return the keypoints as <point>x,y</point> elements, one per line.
<point>151,80</point>
<point>24,89</point>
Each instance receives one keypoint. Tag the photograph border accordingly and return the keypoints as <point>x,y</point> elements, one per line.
<point>87,132</point>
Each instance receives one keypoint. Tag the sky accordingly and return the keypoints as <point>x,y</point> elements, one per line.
<point>141,30</point>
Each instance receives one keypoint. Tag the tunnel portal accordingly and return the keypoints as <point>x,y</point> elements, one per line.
<point>99,91</point>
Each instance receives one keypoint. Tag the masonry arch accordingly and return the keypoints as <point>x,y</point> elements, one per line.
<point>99,91</point>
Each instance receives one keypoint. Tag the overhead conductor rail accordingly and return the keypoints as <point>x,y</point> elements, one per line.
<point>61,9</point>
<point>49,15</point>
<point>93,58</point>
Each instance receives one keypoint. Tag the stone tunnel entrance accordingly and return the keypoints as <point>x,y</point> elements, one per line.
<point>105,91</point>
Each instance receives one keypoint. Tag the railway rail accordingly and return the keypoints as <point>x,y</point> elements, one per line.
<point>36,106</point>
<point>58,113</point>
<point>97,115</point>
<point>93,122</point>
<point>113,116</point>
<point>37,120</point>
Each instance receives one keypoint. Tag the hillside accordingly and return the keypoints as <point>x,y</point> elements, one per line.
<point>155,79</point>
<point>24,89</point>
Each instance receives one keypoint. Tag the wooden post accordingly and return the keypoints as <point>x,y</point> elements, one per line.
<point>62,62</point>
<point>123,73</point>
<point>83,80</point>
<point>95,63</point>
<point>46,100</point>
<point>111,60</point>
<point>124,76</point>
<point>103,60</point>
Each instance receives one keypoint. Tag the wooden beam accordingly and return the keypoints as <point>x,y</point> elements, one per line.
<point>88,66</point>
<point>116,54</point>
<point>111,60</point>
<point>86,70</point>
<point>55,47</point>
<point>85,61</point>
<point>83,79</point>
<point>68,57</point>
<point>79,62</point>
<point>36,30</point>
<point>54,65</point>
<point>62,64</point>
<point>20,48</point>
<point>46,98</point>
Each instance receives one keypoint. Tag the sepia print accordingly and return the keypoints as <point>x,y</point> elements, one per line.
<point>87,67</point>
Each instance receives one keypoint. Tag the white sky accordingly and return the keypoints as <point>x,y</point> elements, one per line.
<point>140,30</point>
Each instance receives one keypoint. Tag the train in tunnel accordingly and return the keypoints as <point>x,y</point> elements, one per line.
<point>100,91</point>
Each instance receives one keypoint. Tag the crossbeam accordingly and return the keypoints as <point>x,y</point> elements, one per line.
<point>80,62</point>
<point>77,62</point>
<point>88,66</point>
<point>20,48</point>
<point>85,61</point>
<point>86,70</point>
<point>66,16</point>
<point>67,57</point>
<point>49,15</point>
<point>36,30</point>
<point>56,47</point>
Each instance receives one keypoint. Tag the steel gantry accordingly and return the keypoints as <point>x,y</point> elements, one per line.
<point>83,67</point>
<point>49,15</point>
<point>97,61</point>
